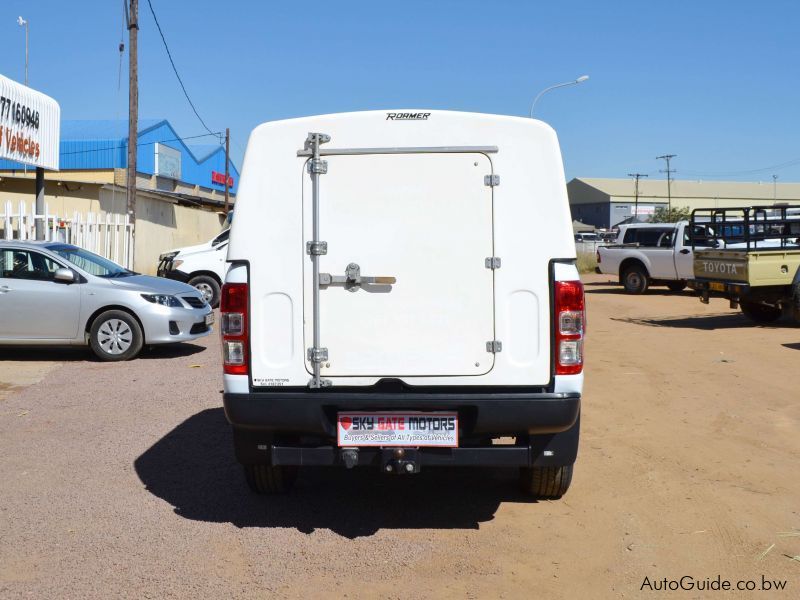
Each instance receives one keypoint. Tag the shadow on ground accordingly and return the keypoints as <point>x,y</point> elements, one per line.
<point>84,353</point>
<point>702,322</point>
<point>794,346</point>
<point>193,469</point>
<point>652,291</point>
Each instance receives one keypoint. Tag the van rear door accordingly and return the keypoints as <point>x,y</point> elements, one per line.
<point>424,219</point>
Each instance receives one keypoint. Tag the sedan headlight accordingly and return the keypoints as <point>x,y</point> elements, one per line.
<point>168,255</point>
<point>163,299</point>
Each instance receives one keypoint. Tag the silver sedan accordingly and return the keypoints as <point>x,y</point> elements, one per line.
<point>58,294</point>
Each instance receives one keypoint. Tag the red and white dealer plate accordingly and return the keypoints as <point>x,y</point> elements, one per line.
<point>418,429</point>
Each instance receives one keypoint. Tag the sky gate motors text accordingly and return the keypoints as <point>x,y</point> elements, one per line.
<point>413,423</point>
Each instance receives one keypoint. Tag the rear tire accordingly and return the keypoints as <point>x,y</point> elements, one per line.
<point>270,479</point>
<point>676,286</point>
<point>545,483</point>
<point>115,335</point>
<point>635,280</point>
<point>207,286</point>
<point>760,313</point>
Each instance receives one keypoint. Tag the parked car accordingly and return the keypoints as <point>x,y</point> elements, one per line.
<point>650,254</point>
<point>586,237</point>
<point>752,259</point>
<point>58,294</point>
<point>202,266</point>
<point>396,301</point>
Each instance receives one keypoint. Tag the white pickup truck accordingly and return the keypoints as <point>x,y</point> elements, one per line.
<point>650,254</point>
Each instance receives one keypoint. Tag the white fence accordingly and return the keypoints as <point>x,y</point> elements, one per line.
<point>107,235</point>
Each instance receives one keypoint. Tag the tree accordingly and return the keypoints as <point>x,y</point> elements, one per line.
<point>678,213</point>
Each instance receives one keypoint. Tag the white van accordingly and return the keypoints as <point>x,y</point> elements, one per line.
<point>402,293</point>
<point>202,266</point>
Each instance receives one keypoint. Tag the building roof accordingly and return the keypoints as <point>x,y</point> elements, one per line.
<point>103,144</point>
<point>103,129</point>
<point>684,188</point>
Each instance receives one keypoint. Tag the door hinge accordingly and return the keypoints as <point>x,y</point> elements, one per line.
<point>317,165</point>
<point>316,248</point>
<point>494,346</point>
<point>317,355</point>
<point>492,262</point>
<point>491,180</point>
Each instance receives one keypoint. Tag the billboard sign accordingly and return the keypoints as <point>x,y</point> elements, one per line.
<point>30,125</point>
<point>168,162</point>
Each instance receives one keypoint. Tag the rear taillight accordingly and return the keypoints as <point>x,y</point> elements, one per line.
<point>233,325</point>
<point>570,324</point>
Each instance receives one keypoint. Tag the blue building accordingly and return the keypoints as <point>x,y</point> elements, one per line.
<point>174,165</point>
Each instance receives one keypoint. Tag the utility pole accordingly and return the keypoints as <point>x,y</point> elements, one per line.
<point>774,189</point>
<point>227,160</point>
<point>133,119</point>
<point>668,171</point>
<point>636,177</point>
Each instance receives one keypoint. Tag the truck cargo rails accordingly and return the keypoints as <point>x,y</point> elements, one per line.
<point>751,257</point>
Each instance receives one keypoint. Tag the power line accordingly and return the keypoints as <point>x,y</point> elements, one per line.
<point>789,163</point>
<point>174,68</point>
<point>179,139</point>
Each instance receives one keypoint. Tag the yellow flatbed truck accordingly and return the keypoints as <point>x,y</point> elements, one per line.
<point>751,256</point>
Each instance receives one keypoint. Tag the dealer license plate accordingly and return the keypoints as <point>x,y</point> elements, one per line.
<point>209,318</point>
<point>717,287</point>
<point>398,429</point>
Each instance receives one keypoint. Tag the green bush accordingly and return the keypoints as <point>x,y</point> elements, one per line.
<point>587,261</point>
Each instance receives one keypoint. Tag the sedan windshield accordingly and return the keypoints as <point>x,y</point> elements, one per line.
<point>90,262</point>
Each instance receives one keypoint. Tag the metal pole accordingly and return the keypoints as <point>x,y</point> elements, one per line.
<point>133,118</point>
<point>315,257</point>
<point>315,248</point>
<point>26,52</point>
<point>636,177</point>
<point>227,160</point>
<point>668,171</point>
<point>41,224</point>
<point>774,189</point>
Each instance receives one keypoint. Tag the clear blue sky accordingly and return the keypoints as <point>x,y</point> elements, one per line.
<point>715,82</point>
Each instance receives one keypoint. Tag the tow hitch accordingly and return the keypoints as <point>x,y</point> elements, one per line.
<point>400,461</point>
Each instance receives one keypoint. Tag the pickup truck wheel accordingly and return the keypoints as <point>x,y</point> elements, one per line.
<point>207,286</point>
<point>635,280</point>
<point>115,335</point>
<point>760,313</point>
<point>545,483</point>
<point>676,286</point>
<point>270,479</point>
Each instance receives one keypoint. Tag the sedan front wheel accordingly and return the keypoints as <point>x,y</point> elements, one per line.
<point>115,335</point>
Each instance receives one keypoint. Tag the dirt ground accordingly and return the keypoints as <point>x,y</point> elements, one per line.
<point>118,480</point>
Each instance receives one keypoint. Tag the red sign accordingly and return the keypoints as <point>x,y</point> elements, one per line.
<point>220,178</point>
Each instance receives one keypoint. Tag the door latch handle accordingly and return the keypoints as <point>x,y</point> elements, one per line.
<point>353,279</point>
<point>685,251</point>
<point>4,289</point>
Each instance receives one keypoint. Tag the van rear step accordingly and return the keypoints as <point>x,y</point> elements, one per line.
<point>397,460</point>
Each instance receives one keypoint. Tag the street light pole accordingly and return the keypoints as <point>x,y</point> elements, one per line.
<point>40,223</point>
<point>23,23</point>
<point>580,79</point>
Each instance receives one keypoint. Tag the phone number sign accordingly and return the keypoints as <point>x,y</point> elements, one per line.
<point>30,125</point>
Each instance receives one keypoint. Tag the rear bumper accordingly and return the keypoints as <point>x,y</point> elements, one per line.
<point>485,413</point>
<point>707,288</point>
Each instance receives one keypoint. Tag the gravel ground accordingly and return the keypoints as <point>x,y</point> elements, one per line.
<point>118,480</point>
